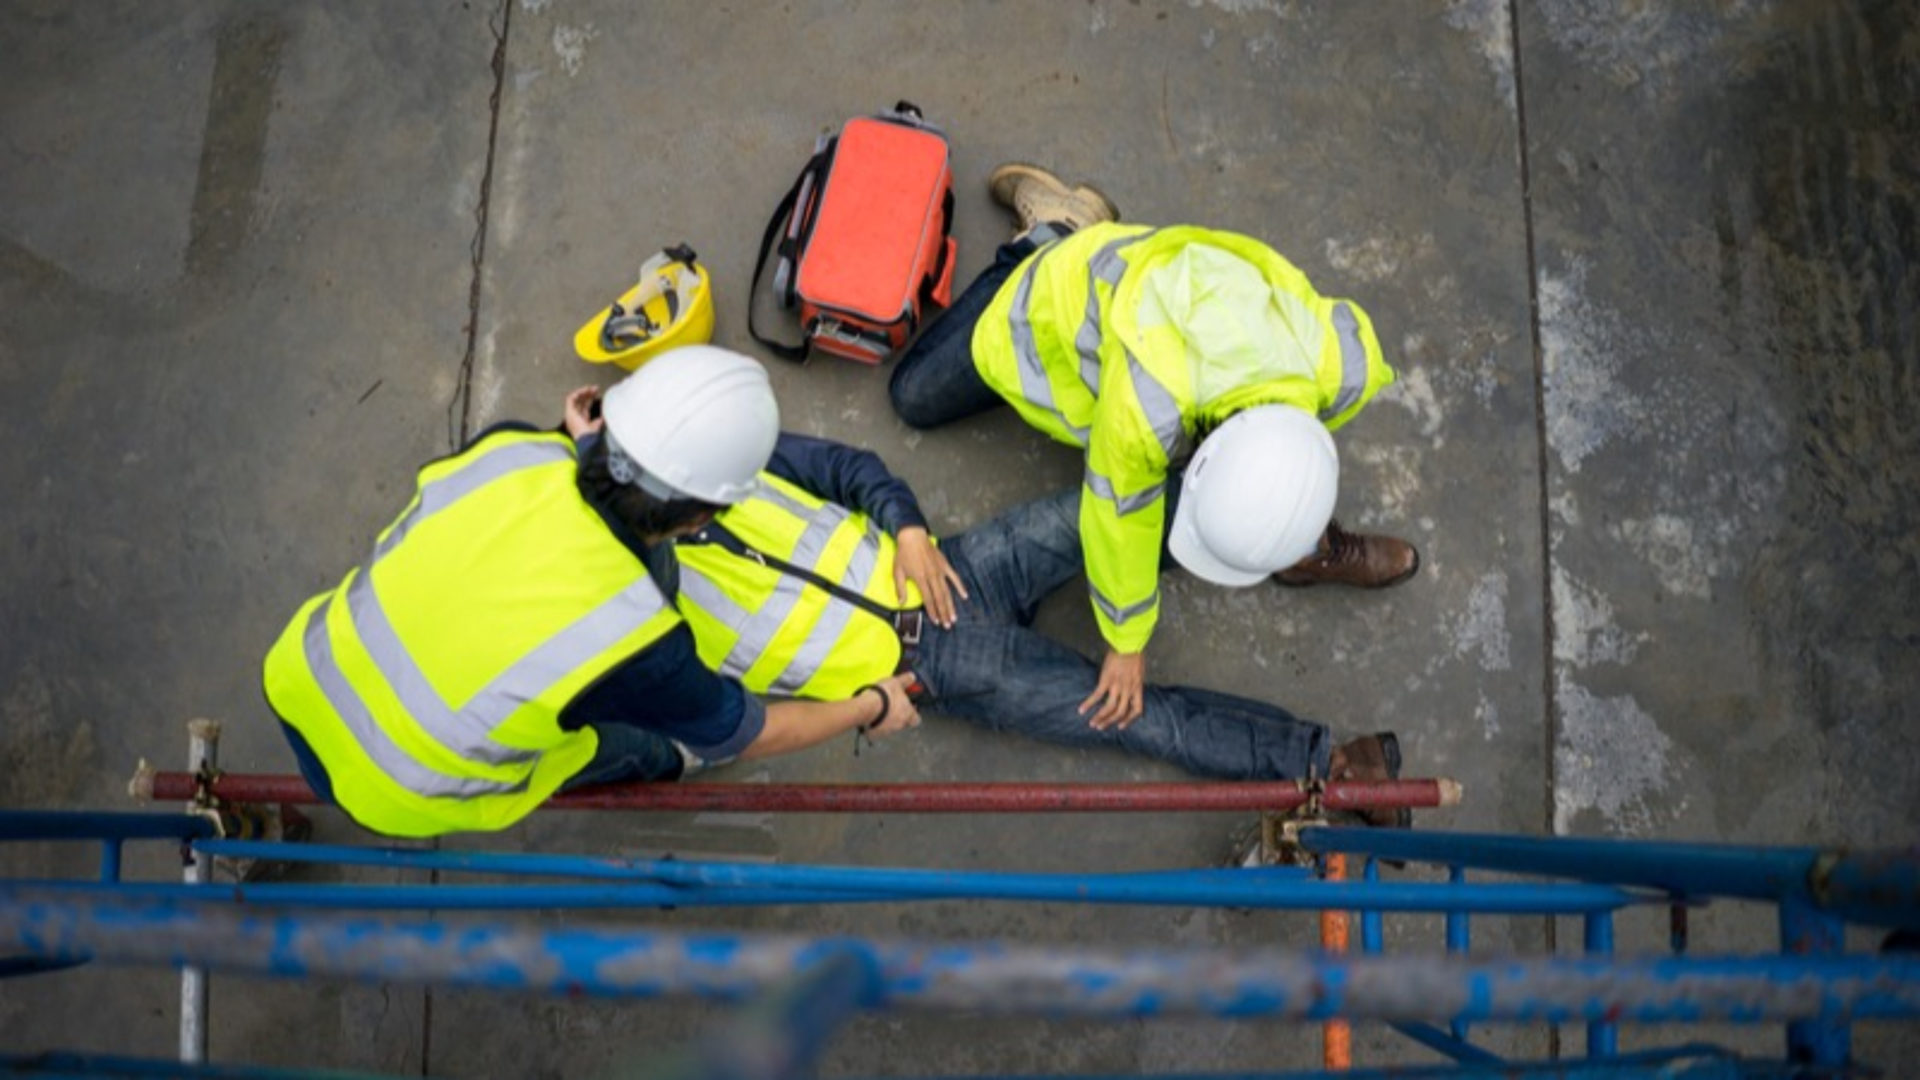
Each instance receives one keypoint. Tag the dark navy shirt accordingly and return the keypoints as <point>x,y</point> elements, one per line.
<point>856,479</point>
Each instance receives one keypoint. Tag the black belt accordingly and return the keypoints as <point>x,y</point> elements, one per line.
<point>908,626</point>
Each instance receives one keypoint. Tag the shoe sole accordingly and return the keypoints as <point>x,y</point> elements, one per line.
<point>1094,193</point>
<point>1387,584</point>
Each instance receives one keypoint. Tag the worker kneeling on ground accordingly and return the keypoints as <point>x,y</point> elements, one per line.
<point>1154,349</point>
<point>824,579</point>
<point>506,639</point>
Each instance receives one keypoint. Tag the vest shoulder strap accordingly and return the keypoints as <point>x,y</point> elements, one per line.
<point>718,535</point>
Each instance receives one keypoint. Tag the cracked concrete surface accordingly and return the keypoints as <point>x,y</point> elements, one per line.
<point>1646,273</point>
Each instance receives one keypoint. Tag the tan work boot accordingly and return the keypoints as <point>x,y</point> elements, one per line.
<point>1344,558</point>
<point>1036,197</point>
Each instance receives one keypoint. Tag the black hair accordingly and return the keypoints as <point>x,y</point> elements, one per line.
<point>645,515</point>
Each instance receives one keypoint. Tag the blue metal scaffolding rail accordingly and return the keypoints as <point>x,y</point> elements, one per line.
<point>801,988</point>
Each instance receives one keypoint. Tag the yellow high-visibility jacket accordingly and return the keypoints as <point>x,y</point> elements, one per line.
<point>430,682</point>
<point>1133,342</point>
<point>772,629</point>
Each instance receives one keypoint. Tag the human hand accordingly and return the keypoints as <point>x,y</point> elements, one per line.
<point>901,713</point>
<point>578,412</point>
<point>917,559</point>
<point>1121,692</point>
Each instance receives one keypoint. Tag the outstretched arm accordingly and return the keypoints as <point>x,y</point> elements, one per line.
<point>797,725</point>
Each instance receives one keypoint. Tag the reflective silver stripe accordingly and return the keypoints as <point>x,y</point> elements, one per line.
<point>821,525</point>
<point>865,558</point>
<point>703,592</point>
<point>373,739</point>
<point>439,494</point>
<point>1124,505</point>
<point>774,495</point>
<point>1162,411</point>
<point>757,629</point>
<point>468,732</point>
<point>814,651</point>
<point>1120,615</point>
<point>696,587</point>
<point>560,656</point>
<point>1033,373</point>
<point>1353,361</point>
<point>1086,341</point>
<point>1090,368</point>
<point>1106,265</point>
<point>757,633</point>
<point>465,734</point>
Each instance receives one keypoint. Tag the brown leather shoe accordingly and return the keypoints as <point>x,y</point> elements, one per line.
<point>1037,196</point>
<point>1357,559</point>
<point>1371,758</point>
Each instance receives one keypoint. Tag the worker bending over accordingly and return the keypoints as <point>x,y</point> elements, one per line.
<point>823,579</point>
<point>1149,349</point>
<point>505,639</point>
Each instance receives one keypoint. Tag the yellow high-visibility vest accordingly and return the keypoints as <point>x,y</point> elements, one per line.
<point>1131,342</point>
<point>430,682</point>
<point>775,631</point>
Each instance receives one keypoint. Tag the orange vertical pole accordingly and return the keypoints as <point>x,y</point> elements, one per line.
<point>1336,1036</point>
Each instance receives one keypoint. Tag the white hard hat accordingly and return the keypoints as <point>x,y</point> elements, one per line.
<point>1256,497</point>
<point>697,421</point>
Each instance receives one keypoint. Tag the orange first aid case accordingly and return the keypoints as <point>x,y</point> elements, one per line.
<point>864,238</point>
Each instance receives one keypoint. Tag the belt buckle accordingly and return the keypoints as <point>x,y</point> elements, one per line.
<point>908,624</point>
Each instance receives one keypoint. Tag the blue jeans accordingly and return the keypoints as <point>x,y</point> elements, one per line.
<point>994,670</point>
<point>935,382</point>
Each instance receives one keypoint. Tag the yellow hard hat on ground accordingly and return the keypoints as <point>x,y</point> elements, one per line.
<point>671,306</point>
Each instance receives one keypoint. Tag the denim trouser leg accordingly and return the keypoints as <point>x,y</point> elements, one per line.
<point>935,382</point>
<point>992,670</point>
<point>628,753</point>
<point>1016,560</point>
<point>1010,678</point>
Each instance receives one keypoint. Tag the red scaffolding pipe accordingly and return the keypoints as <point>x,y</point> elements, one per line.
<point>899,798</point>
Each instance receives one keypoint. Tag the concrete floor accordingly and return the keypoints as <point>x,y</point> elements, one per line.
<point>1646,270</point>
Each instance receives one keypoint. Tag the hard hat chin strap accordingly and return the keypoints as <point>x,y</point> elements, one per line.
<point>628,471</point>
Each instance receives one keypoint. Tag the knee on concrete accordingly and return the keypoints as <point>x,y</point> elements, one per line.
<point>911,411</point>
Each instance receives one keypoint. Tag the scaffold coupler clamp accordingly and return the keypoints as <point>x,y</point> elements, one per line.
<point>1280,831</point>
<point>208,805</point>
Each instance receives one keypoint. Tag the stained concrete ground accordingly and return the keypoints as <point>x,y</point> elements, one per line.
<point>1646,271</point>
